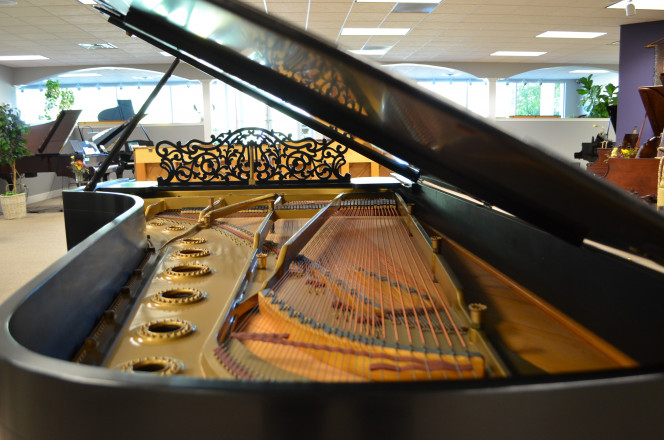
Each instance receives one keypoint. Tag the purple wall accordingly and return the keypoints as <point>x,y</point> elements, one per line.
<point>637,68</point>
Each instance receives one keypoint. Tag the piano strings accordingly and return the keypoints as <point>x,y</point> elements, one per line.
<point>358,303</point>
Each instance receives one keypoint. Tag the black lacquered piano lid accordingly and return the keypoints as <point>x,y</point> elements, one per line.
<point>412,131</point>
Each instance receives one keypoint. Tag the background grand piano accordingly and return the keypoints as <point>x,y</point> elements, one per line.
<point>46,143</point>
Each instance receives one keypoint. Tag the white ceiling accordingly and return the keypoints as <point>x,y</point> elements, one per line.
<point>456,31</point>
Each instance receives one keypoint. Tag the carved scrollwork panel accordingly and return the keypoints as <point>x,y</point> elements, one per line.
<point>275,157</point>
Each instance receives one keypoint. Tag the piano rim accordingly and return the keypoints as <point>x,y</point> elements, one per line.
<point>30,380</point>
<point>12,351</point>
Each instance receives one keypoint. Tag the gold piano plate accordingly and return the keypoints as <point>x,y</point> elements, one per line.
<point>191,240</point>
<point>163,366</point>
<point>187,270</point>
<point>165,329</point>
<point>332,285</point>
<point>191,253</point>
<point>178,296</point>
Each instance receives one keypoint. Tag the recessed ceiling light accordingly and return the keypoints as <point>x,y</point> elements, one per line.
<point>640,4</point>
<point>78,75</point>
<point>372,50</point>
<point>91,46</point>
<point>508,53</point>
<point>412,8</point>
<point>588,71</point>
<point>22,57</point>
<point>400,1</point>
<point>375,31</point>
<point>565,34</point>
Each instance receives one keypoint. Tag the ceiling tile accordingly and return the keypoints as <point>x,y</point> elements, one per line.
<point>456,30</point>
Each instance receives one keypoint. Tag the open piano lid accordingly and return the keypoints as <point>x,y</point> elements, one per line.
<point>413,132</point>
<point>653,102</point>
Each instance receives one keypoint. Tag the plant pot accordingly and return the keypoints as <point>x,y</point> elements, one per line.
<point>13,206</point>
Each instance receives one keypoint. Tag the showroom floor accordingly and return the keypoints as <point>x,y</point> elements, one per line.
<point>30,244</point>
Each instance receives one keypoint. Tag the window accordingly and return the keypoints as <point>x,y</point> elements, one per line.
<point>177,103</point>
<point>529,99</point>
<point>232,109</point>
<point>474,95</point>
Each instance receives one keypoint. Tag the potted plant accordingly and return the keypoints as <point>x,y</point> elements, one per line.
<point>12,148</point>
<point>597,99</point>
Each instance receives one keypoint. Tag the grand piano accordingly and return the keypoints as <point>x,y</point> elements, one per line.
<point>51,146</point>
<point>46,142</point>
<point>486,289</point>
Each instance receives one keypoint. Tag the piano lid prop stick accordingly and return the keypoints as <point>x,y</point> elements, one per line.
<point>129,129</point>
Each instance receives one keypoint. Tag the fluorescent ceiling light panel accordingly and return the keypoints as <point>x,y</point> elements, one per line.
<point>565,34</point>
<point>414,8</point>
<point>78,75</point>
<point>640,4</point>
<point>22,57</point>
<point>375,31</point>
<point>512,53</point>
<point>400,1</point>
<point>91,46</point>
<point>166,54</point>
<point>374,52</point>
<point>588,71</point>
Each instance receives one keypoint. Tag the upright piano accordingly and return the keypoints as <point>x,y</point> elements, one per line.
<point>485,289</point>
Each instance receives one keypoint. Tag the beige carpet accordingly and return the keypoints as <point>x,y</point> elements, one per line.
<point>30,244</point>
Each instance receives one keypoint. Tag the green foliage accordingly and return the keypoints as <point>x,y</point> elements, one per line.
<point>12,142</point>
<point>56,99</point>
<point>528,99</point>
<point>596,99</point>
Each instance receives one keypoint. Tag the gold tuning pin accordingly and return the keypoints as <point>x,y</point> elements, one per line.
<point>435,243</point>
<point>476,312</point>
<point>262,260</point>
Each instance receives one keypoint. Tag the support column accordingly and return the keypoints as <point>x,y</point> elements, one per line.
<point>492,97</point>
<point>207,109</point>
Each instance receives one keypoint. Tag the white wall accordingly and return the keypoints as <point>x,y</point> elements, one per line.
<point>561,137</point>
<point>7,90</point>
